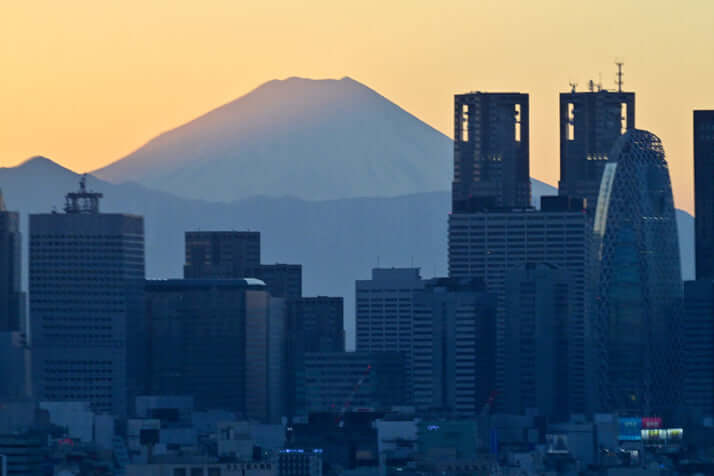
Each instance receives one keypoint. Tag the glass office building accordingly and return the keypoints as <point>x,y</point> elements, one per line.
<point>638,285</point>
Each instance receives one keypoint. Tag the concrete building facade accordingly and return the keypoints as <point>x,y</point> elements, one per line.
<point>453,352</point>
<point>491,151</point>
<point>86,304</point>
<point>590,123</point>
<point>487,245</point>
<point>538,304</point>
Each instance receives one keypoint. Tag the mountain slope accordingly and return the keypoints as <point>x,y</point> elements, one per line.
<point>311,139</point>
<point>336,241</point>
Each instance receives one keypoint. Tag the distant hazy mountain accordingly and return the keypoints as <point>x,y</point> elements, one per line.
<point>336,241</point>
<point>311,139</point>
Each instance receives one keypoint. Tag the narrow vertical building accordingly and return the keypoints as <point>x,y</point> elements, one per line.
<point>698,347</point>
<point>14,352</point>
<point>491,152</point>
<point>590,123</point>
<point>87,304</point>
<point>539,303</point>
<point>314,325</point>
<point>637,280</point>
<point>264,357</point>
<point>12,299</point>
<point>704,193</point>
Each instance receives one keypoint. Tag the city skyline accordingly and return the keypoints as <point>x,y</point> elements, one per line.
<point>116,89</point>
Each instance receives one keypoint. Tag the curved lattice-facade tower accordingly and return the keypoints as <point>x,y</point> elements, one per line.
<point>637,280</point>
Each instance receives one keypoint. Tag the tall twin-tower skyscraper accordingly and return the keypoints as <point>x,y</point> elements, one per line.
<point>620,343</point>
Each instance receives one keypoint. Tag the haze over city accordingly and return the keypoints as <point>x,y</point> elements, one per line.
<point>402,239</point>
<point>86,83</point>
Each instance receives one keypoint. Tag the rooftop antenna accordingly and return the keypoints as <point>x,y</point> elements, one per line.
<point>591,85</point>
<point>599,82</point>
<point>82,201</point>
<point>619,75</point>
<point>573,85</point>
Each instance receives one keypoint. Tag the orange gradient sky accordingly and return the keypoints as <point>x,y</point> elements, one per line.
<point>86,82</point>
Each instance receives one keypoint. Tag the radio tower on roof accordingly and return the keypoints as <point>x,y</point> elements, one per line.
<point>619,75</point>
<point>82,201</point>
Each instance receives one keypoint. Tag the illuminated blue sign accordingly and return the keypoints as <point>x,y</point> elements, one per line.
<point>629,429</point>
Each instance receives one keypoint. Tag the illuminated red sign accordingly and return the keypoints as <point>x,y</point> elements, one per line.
<point>651,422</point>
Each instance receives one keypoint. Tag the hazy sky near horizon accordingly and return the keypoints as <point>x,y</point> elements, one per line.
<point>86,82</point>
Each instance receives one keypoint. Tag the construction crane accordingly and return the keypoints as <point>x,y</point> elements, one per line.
<point>339,421</point>
<point>489,403</point>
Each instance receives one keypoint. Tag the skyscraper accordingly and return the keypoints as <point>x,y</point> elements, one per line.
<point>14,354</point>
<point>12,299</point>
<point>487,245</point>
<point>704,192</point>
<point>316,325</point>
<point>454,346</point>
<point>385,307</point>
<point>221,254</point>
<point>491,151</point>
<point>590,123</point>
<point>283,280</point>
<point>539,304</point>
<point>637,278</point>
<point>265,374</point>
<point>196,336</point>
<point>698,347</point>
<point>445,329</point>
<point>86,304</point>
<point>235,255</point>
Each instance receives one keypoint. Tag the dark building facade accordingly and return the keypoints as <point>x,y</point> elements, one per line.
<point>491,151</point>
<point>590,123</point>
<point>87,304</point>
<point>315,324</point>
<point>195,332</point>
<point>342,382</point>
<point>487,245</point>
<point>221,254</point>
<point>539,303</point>
<point>12,299</point>
<point>282,280</point>
<point>235,255</point>
<point>453,352</point>
<point>14,366</point>
<point>704,193</point>
<point>637,280</point>
<point>698,347</point>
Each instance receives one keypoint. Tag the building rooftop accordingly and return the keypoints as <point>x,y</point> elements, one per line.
<point>168,284</point>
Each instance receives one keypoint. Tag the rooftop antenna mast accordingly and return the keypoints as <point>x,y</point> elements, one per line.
<point>619,75</point>
<point>573,85</point>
